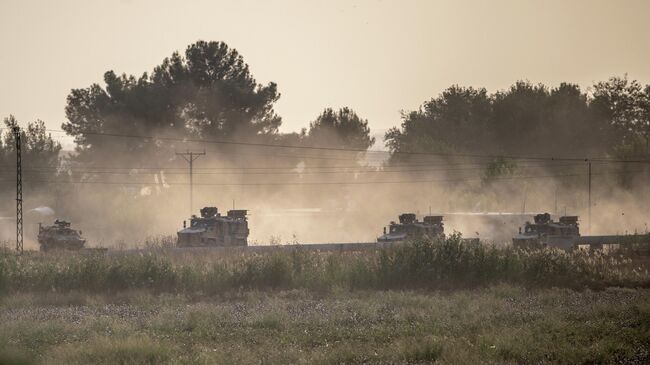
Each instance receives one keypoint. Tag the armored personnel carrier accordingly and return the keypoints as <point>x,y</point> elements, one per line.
<point>213,229</point>
<point>59,237</point>
<point>544,232</point>
<point>410,228</point>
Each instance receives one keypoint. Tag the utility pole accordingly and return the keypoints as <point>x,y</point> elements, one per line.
<point>589,199</point>
<point>555,210</point>
<point>190,157</point>
<point>19,191</point>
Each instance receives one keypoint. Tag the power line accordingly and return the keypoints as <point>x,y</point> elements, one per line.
<point>352,168</point>
<point>356,150</point>
<point>464,179</point>
<point>77,165</point>
<point>298,173</point>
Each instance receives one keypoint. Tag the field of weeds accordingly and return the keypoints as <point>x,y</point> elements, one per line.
<point>424,302</point>
<point>501,324</point>
<point>444,264</point>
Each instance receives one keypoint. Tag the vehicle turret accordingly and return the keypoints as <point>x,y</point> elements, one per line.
<point>209,212</point>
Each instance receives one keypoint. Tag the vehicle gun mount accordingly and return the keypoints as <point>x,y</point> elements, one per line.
<point>209,212</point>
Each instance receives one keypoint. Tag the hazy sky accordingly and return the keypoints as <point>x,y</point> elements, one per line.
<point>378,57</point>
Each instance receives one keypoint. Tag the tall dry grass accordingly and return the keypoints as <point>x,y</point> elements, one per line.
<point>440,264</point>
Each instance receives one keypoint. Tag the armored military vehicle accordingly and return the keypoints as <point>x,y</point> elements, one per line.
<point>213,229</point>
<point>410,228</point>
<point>59,237</point>
<point>544,232</point>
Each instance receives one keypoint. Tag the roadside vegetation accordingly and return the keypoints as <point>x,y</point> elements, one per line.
<point>440,264</point>
<point>444,301</point>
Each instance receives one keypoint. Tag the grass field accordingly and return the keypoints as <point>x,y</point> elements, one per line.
<point>502,324</point>
<point>427,302</point>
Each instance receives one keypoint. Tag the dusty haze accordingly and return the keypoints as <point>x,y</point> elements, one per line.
<point>281,212</point>
<point>377,57</point>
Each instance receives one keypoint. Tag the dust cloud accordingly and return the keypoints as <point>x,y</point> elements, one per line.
<point>321,196</point>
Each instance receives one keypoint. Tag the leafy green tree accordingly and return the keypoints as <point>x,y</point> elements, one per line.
<point>618,101</point>
<point>457,120</point>
<point>38,145</point>
<point>569,128</point>
<point>342,129</point>
<point>40,152</point>
<point>519,114</point>
<point>525,119</point>
<point>208,93</point>
<point>625,105</point>
<point>643,126</point>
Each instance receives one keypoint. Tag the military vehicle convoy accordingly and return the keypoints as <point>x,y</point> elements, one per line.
<point>541,233</point>
<point>213,229</point>
<point>544,232</point>
<point>59,237</point>
<point>410,228</point>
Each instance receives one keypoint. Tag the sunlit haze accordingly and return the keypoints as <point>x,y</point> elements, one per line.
<point>324,182</point>
<point>377,57</point>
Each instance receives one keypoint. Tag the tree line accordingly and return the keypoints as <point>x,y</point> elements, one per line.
<point>209,92</point>
<point>528,119</point>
